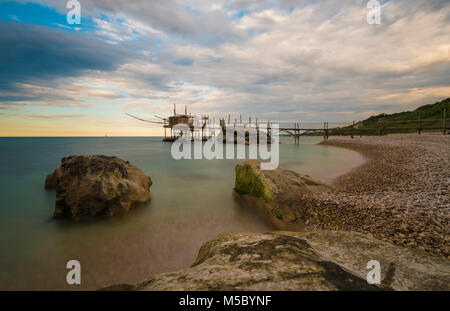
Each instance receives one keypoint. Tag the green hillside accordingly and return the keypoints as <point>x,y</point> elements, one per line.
<point>428,117</point>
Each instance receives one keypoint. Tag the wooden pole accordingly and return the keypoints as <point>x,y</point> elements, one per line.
<point>257,131</point>
<point>353,127</point>
<point>420,124</point>
<point>269,132</point>
<point>327,130</point>
<point>295,133</point>
<point>444,125</point>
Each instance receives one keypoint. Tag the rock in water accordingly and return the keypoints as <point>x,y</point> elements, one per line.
<point>97,185</point>
<point>303,261</point>
<point>279,194</point>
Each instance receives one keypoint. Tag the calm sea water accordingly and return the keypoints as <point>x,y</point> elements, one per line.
<point>191,203</point>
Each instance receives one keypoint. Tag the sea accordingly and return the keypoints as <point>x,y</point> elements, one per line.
<point>191,203</point>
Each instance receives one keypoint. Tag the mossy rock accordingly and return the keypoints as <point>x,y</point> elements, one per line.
<point>250,181</point>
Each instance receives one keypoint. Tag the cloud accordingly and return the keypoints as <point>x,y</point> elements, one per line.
<point>39,66</point>
<point>48,116</point>
<point>35,53</point>
<point>66,93</point>
<point>14,17</point>
<point>299,60</point>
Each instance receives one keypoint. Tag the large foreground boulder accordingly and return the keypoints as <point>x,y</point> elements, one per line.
<point>302,261</point>
<point>97,185</point>
<point>280,195</point>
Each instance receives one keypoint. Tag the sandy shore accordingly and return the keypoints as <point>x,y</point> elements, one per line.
<point>401,194</point>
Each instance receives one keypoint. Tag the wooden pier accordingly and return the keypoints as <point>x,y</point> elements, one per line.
<point>202,127</point>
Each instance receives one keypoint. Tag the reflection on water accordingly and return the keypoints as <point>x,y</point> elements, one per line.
<point>191,202</point>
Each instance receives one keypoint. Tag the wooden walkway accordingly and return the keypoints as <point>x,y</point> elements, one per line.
<point>327,129</point>
<point>202,127</point>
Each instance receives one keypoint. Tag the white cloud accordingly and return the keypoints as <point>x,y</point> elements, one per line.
<point>320,60</point>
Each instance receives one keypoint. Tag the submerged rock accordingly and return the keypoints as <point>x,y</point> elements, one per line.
<point>278,194</point>
<point>97,185</point>
<point>303,261</point>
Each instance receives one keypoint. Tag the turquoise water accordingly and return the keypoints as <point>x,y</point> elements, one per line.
<point>191,202</point>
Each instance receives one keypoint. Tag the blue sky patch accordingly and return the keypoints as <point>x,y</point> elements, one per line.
<point>240,14</point>
<point>36,14</point>
<point>184,62</point>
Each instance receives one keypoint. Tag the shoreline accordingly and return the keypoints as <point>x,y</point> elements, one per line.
<point>400,194</point>
<point>331,176</point>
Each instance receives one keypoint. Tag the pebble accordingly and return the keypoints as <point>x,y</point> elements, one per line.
<point>403,187</point>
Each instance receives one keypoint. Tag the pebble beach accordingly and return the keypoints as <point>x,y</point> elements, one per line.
<point>401,194</point>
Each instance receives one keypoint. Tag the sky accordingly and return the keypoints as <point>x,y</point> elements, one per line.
<point>286,60</point>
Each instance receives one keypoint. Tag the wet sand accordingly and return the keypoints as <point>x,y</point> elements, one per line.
<point>331,175</point>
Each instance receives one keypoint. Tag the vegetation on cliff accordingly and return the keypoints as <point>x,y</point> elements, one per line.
<point>428,117</point>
